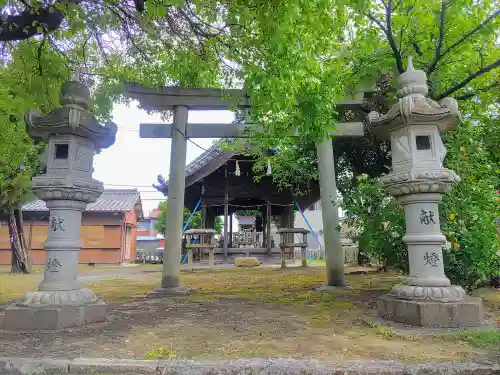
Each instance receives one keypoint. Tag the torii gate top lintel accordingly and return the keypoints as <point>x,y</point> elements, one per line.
<point>167,98</point>
<point>194,99</point>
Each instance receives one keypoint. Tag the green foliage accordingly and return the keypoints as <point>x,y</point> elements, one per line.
<point>160,353</point>
<point>457,45</point>
<point>293,167</point>
<point>21,89</point>
<point>377,223</point>
<point>485,339</point>
<point>161,223</point>
<point>467,214</point>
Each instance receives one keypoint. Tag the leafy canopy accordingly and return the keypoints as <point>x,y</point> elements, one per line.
<point>195,222</point>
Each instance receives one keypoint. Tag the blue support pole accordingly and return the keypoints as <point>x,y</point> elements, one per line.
<point>187,224</point>
<point>308,224</point>
<point>191,216</point>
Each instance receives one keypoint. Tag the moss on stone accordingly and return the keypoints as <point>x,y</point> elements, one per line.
<point>246,262</point>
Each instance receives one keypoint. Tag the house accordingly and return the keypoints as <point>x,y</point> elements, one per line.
<point>146,226</point>
<point>148,238</point>
<point>108,230</point>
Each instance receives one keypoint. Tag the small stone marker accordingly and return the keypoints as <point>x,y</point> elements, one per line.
<point>246,262</point>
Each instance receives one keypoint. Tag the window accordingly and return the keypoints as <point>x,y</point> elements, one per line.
<point>61,151</point>
<point>423,142</point>
<point>142,225</point>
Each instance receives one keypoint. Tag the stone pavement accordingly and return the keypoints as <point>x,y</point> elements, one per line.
<point>252,366</point>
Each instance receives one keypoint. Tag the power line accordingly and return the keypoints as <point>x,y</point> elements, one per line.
<point>126,185</point>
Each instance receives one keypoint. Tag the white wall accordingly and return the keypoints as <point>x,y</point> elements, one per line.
<point>315,219</point>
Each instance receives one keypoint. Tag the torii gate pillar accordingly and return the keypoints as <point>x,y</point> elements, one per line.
<point>170,279</point>
<point>330,214</point>
<point>180,101</point>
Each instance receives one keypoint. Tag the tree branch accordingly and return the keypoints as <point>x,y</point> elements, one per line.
<point>26,24</point>
<point>372,18</point>
<point>472,94</point>
<point>40,53</point>
<point>471,77</point>
<point>390,38</point>
<point>387,30</point>
<point>396,5</point>
<point>471,32</point>
<point>439,45</point>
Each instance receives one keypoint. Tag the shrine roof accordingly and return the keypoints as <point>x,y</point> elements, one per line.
<point>112,200</point>
<point>209,161</point>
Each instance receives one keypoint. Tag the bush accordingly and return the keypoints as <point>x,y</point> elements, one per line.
<point>467,214</point>
<point>467,218</point>
<point>377,223</point>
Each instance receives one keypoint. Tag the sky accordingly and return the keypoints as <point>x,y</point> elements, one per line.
<point>133,162</point>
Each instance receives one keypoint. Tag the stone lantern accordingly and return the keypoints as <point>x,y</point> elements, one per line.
<point>418,180</point>
<point>72,135</point>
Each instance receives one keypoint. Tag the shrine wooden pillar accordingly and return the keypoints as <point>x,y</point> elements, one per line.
<point>226,219</point>
<point>231,230</point>
<point>204,217</point>
<point>268,228</point>
<point>210,219</point>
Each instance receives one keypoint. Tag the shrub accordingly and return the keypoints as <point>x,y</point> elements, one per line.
<point>467,218</point>
<point>377,223</point>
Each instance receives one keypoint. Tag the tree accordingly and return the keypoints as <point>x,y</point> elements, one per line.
<point>458,48</point>
<point>18,159</point>
<point>161,223</point>
<point>24,88</point>
<point>19,156</point>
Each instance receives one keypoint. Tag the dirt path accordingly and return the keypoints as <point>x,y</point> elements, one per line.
<point>236,313</point>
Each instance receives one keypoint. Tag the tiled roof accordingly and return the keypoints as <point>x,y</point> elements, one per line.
<point>214,155</point>
<point>112,200</point>
<point>154,213</point>
<point>206,157</point>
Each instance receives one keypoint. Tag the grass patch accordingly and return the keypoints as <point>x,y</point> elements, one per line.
<point>484,339</point>
<point>271,313</point>
<point>389,333</point>
<point>13,287</point>
<point>160,353</point>
<point>120,290</point>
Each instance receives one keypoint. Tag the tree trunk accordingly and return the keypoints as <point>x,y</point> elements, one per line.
<point>21,262</point>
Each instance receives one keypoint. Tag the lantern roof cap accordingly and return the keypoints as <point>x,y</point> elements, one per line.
<point>414,107</point>
<point>73,117</point>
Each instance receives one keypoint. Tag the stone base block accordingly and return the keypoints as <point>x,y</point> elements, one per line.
<point>466,313</point>
<point>168,292</point>
<point>332,289</point>
<point>53,317</point>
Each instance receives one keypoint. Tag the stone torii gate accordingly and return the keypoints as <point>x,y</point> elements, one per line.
<point>180,101</point>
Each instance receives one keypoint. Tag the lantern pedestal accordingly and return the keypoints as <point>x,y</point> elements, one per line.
<point>433,314</point>
<point>53,316</point>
